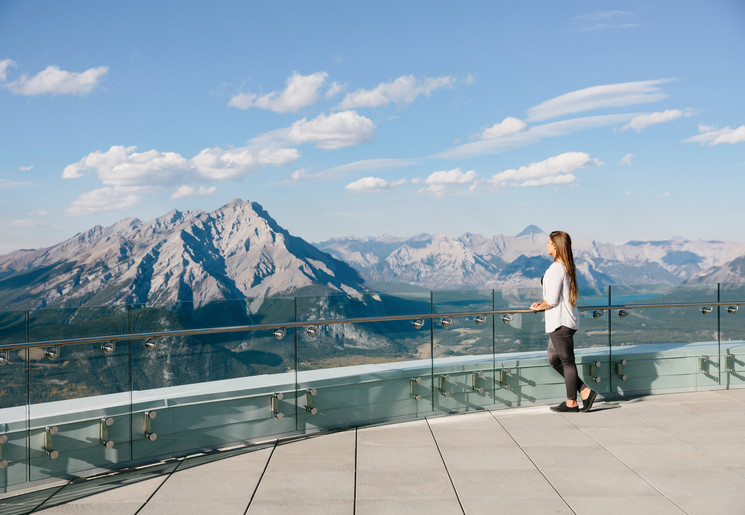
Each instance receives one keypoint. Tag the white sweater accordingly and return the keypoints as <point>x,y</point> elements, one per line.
<point>556,292</point>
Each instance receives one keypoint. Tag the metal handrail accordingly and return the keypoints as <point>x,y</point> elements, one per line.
<point>309,323</point>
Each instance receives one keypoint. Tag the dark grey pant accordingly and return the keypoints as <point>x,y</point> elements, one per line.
<point>561,357</point>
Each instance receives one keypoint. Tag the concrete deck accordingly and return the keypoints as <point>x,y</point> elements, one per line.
<point>682,453</point>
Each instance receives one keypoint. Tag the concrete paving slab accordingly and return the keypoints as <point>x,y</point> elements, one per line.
<point>600,483</point>
<point>521,505</point>
<point>496,484</point>
<point>225,485</point>
<point>386,456</point>
<point>588,458</point>
<point>398,484</point>
<point>618,505</point>
<point>125,500</point>
<point>408,506</point>
<point>302,507</point>
<point>488,458</point>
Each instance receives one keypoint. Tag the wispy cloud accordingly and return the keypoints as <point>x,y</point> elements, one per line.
<point>712,136</point>
<point>599,97</point>
<point>300,91</point>
<point>604,21</point>
<point>105,199</point>
<point>372,185</point>
<point>402,90</point>
<point>6,184</point>
<point>628,160</point>
<point>367,165</point>
<point>446,181</point>
<point>533,135</point>
<point>645,120</point>
<point>554,170</point>
<point>26,168</point>
<point>52,80</point>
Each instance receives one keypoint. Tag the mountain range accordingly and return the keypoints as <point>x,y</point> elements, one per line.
<point>236,251</point>
<point>239,251</point>
<point>439,261</point>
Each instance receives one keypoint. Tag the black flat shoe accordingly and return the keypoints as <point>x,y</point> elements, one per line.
<point>587,403</point>
<point>562,408</point>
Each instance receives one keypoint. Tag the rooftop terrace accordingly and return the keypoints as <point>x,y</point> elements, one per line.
<point>679,453</point>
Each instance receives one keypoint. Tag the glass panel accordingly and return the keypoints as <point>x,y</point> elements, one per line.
<point>208,390</point>
<point>664,349</point>
<point>463,351</point>
<point>591,342</point>
<point>364,372</point>
<point>72,388</point>
<point>733,335</point>
<point>13,395</point>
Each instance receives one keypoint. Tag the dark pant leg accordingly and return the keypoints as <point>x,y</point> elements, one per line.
<point>561,357</point>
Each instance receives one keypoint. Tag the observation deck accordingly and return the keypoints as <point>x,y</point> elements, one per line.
<point>344,402</point>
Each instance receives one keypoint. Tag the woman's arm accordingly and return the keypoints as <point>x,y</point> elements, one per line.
<point>540,306</point>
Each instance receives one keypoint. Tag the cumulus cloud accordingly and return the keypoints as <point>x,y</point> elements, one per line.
<point>300,91</point>
<point>599,97</point>
<point>554,170</point>
<point>218,163</point>
<point>105,199</point>
<point>402,90</point>
<point>123,167</point>
<point>627,160</point>
<point>53,81</point>
<point>442,182</point>
<point>644,120</point>
<point>372,185</point>
<point>332,131</point>
<point>712,136</point>
<point>506,127</point>
<point>185,191</point>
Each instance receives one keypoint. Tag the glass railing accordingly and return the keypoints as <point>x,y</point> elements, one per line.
<point>102,388</point>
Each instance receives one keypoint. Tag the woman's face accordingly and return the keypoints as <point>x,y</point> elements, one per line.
<point>551,248</point>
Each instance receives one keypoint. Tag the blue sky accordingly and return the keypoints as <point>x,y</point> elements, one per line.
<point>611,120</point>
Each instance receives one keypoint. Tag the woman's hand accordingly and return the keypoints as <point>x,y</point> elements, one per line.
<point>536,306</point>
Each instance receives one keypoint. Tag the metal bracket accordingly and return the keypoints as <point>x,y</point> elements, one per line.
<point>502,378</point>
<point>442,385</point>
<point>104,425</point>
<point>731,360</point>
<point>703,362</point>
<point>275,406</point>
<point>149,417</point>
<point>594,368</point>
<point>3,462</point>
<point>619,369</point>
<point>309,394</point>
<point>475,381</point>
<point>413,390</point>
<point>49,432</point>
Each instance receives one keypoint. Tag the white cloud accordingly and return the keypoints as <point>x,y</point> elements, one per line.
<point>442,182</point>
<point>506,127</point>
<point>216,163</point>
<point>331,131</point>
<point>663,195</point>
<point>4,65</point>
<point>627,160</point>
<point>372,185</point>
<point>185,191</point>
<point>105,199</point>
<point>598,97</point>
<point>334,89</point>
<point>603,21</point>
<point>554,170</point>
<point>644,120</point>
<point>301,91</point>
<point>123,167</point>
<point>38,212</point>
<point>713,136</point>
<point>403,90</point>
<point>53,81</point>
<point>26,168</point>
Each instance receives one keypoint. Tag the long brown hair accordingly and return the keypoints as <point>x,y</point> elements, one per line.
<point>564,253</point>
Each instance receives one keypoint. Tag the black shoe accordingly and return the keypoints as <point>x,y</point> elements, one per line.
<point>561,408</point>
<point>587,403</point>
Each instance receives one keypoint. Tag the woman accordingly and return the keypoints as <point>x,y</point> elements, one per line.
<point>560,298</point>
